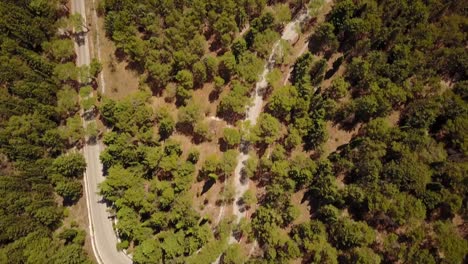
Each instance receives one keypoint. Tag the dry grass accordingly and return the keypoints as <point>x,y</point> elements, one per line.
<point>394,118</point>
<point>339,72</point>
<point>122,81</point>
<point>338,137</point>
<point>304,207</point>
<point>78,214</point>
<point>119,78</point>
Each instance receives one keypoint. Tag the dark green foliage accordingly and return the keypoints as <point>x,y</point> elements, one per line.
<point>282,101</point>
<point>148,252</point>
<point>35,134</point>
<point>452,246</point>
<point>311,238</point>
<point>70,190</point>
<point>175,43</point>
<point>348,233</point>
<point>148,185</point>
<point>70,165</point>
<point>267,130</point>
<point>166,123</point>
<point>69,255</point>
<point>232,137</point>
<point>363,255</point>
<point>324,39</point>
<point>234,105</point>
<point>131,115</point>
<point>402,177</point>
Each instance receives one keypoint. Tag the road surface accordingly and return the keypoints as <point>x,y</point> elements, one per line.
<point>103,237</point>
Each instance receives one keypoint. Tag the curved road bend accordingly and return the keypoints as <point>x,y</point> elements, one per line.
<point>103,237</point>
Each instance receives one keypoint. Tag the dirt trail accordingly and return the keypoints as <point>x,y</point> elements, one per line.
<point>289,34</point>
<point>241,186</point>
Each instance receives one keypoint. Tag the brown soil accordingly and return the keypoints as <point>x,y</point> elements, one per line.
<point>338,137</point>
<point>78,213</point>
<point>394,118</point>
<point>304,207</point>
<point>120,79</point>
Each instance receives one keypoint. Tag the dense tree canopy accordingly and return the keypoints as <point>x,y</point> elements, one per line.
<point>38,107</point>
<point>370,131</point>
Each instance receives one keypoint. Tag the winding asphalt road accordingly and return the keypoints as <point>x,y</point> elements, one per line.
<point>103,236</point>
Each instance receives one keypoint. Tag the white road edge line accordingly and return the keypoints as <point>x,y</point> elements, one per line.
<point>90,217</point>
<point>98,47</point>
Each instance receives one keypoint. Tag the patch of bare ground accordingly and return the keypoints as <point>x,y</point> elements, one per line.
<point>77,216</point>
<point>338,137</point>
<point>445,85</point>
<point>206,203</point>
<point>205,195</point>
<point>303,205</point>
<point>120,79</point>
<point>394,118</point>
<point>300,45</point>
<point>461,225</point>
<point>331,72</point>
<point>340,181</point>
<point>204,97</point>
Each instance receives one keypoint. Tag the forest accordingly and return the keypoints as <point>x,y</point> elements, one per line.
<point>40,130</point>
<point>393,193</point>
<point>359,155</point>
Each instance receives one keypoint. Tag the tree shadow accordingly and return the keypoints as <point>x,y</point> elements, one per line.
<point>231,117</point>
<point>135,66</point>
<point>223,146</point>
<point>70,202</point>
<point>213,96</point>
<point>336,65</point>
<point>207,186</point>
<point>184,128</point>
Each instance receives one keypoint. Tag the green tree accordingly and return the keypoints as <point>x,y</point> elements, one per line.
<point>189,115</point>
<point>339,88</point>
<point>92,130</point>
<point>148,252</point>
<point>70,165</point>
<point>211,64</point>
<point>264,41</point>
<point>249,67</point>
<point>282,13</point>
<point>199,73</point>
<point>324,39</point>
<point>70,190</point>
<point>267,130</point>
<point>185,79</point>
<point>249,199</point>
<point>210,167</point>
<point>228,162</point>
<point>347,233</point>
<point>202,131</point>
<point>227,66</point>
<point>282,101</point>
<point>234,255</point>
<point>67,101</point>
<point>450,244</point>
<point>166,123</point>
<point>95,67</point>
<point>239,47</point>
<point>233,105</point>
<point>60,49</point>
<point>66,72</point>
<point>363,255</point>
<point>231,136</point>
<point>70,254</point>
